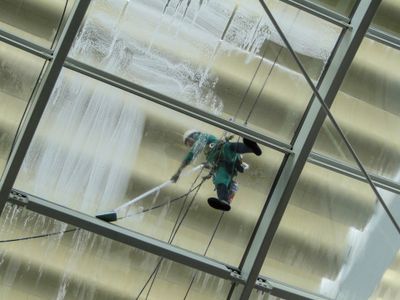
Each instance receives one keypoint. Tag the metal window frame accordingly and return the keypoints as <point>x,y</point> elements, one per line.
<point>176,105</point>
<point>353,172</point>
<point>383,38</point>
<point>284,291</point>
<point>320,12</point>
<point>25,45</point>
<point>166,250</point>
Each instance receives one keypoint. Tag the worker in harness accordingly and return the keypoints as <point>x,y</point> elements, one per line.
<point>224,159</point>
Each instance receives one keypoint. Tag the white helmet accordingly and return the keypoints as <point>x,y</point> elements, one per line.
<point>188,133</point>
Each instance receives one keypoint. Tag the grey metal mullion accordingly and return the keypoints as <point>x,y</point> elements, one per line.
<point>25,45</point>
<point>320,12</point>
<point>293,165</point>
<point>122,235</point>
<point>350,171</point>
<point>383,37</point>
<point>176,105</point>
<point>40,99</point>
<point>285,291</point>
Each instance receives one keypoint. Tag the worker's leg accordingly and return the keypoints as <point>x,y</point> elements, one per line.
<point>246,147</point>
<point>221,181</point>
<point>222,202</point>
<point>222,192</point>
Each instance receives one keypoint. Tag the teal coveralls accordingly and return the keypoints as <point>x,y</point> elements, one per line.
<point>218,154</point>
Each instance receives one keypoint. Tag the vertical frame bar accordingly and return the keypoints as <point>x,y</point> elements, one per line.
<point>293,165</point>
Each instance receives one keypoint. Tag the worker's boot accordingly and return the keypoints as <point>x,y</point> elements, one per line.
<point>221,203</point>
<point>253,146</point>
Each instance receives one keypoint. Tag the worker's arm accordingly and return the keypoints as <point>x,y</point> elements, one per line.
<point>198,147</point>
<point>175,177</point>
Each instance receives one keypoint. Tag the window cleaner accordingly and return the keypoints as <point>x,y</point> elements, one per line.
<point>223,157</point>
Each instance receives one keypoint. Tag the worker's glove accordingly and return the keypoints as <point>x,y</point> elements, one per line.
<point>175,177</point>
<point>206,165</point>
<point>208,176</point>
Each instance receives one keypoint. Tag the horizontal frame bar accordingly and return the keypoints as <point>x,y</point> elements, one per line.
<point>353,172</point>
<point>383,38</point>
<point>151,245</point>
<point>320,12</point>
<point>25,45</point>
<point>120,234</point>
<point>307,6</point>
<point>176,105</point>
<point>286,291</point>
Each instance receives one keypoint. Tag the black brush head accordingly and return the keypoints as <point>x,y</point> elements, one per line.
<point>110,216</point>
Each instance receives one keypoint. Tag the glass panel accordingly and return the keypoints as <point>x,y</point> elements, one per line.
<point>368,109</point>
<point>98,147</point>
<point>37,21</point>
<point>311,241</point>
<point>388,287</point>
<point>387,269</point>
<point>387,17</point>
<point>377,244</point>
<point>19,73</point>
<point>331,225</point>
<point>208,54</point>
<point>344,7</point>
<point>42,258</point>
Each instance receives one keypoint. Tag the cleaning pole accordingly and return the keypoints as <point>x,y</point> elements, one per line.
<point>114,215</point>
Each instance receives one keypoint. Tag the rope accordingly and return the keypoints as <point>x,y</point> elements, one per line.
<point>71,230</point>
<point>161,204</point>
<point>59,24</point>
<point>181,216</point>
<point>38,236</point>
<point>262,89</point>
<point>173,234</point>
<point>250,84</point>
<point>258,95</point>
<point>205,252</point>
<point>176,227</point>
